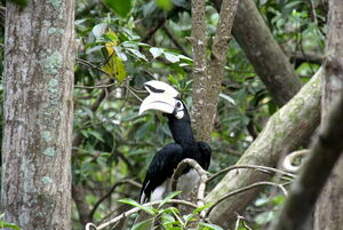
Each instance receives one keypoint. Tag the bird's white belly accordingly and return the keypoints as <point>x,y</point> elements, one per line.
<point>161,191</point>
<point>186,183</point>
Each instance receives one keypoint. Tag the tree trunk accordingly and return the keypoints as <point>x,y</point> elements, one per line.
<point>207,84</point>
<point>327,211</point>
<point>38,107</point>
<point>324,154</point>
<point>263,52</point>
<point>284,131</point>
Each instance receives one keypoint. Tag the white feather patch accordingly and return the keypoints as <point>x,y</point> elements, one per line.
<point>160,192</point>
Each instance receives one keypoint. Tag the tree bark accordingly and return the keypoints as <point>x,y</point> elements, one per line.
<point>207,84</point>
<point>284,131</point>
<point>38,107</point>
<point>325,152</point>
<point>327,211</point>
<point>264,53</point>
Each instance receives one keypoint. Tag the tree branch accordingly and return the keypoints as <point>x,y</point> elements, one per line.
<point>325,152</point>
<point>201,172</point>
<point>207,79</point>
<point>284,131</point>
<point>263,52</point>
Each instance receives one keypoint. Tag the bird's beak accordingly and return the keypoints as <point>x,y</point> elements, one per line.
<point>161,102</point>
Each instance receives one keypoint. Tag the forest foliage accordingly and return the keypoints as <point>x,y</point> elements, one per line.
<point>123,43</point>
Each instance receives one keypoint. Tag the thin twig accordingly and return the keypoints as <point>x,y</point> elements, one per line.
<point>134,94</point>
<point>91,226</point>
<point>126,181</point>
<point>85,62</point>
<point>95,87</point>
<point>246,188</point>
<point>260,168</point>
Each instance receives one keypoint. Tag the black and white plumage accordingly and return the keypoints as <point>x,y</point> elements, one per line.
<point>165,98</point>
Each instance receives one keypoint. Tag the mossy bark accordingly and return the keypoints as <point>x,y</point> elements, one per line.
<point>284,131</point>
<point>208,76</point>
<point>38,108</point>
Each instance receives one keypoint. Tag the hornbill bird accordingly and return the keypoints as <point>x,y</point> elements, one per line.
<point>165,98</point>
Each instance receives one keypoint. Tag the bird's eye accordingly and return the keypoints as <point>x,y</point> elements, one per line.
<point>178,104</point>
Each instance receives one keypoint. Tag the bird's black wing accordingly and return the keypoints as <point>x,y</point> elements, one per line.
<point>161,167</point>
<point>206,152</point>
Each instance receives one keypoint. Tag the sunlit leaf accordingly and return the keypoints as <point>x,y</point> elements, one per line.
<point>131,202</point>
<point>164,4</point>
<point>227,98</point>
<point>115,66</point>
<point>4,224</point>
<point>99,30</point>
<point>137,53</point>
<point>198,210</point>
<point>155,52</point>
<point>171,57</point>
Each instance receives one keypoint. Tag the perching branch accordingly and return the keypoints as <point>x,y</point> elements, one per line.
<point>91,226</point>
<point>201,172</point>
<point>325,152</point>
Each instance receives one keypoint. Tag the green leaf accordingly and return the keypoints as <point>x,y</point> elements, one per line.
<point>227,98</point>
<point>164,4</point>
<point>278,200</point>
<point>206,226</point>
<point>97,135</point>
<point>169,197</point>
<point>4,224</point>
<point>198,210</point>
<point>115,66</point>
<point>120,7</point>
<point>144,225</point>
<point>147,209</point>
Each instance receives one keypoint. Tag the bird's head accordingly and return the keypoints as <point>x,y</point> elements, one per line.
<point>164,98</point>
